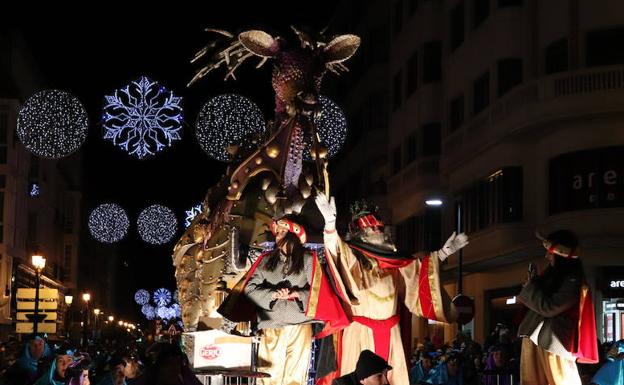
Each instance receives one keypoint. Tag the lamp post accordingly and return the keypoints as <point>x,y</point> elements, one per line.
<point>38,262</point>
<point>96,312</point>
<point>69,299</point>
<point>86,297</point>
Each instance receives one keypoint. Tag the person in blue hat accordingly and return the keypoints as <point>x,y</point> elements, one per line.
<point>27,368</point>
<point>421,371</point>
<point>56,375</point>
<point>612,372</point>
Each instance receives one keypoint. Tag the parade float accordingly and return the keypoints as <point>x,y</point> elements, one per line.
<point>272,171</point>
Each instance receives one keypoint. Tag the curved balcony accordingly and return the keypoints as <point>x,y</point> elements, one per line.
<point>587,92</point>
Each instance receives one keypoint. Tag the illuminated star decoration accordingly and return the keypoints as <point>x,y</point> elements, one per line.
<point>191,214</point>
<point>141,297</point>
<point>108,223</point>
<point>331,126</point>
<point>35,190</point>
<point>228,120</point>
<point>157,224</point>
<point>143,118</point>
<point>162,297</point>
<point>52,124</point>
<point>148,311</point>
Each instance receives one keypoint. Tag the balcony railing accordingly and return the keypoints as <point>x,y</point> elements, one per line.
<point>543,98</point>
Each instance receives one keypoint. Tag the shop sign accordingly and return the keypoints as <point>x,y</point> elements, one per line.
<point>587,180</point>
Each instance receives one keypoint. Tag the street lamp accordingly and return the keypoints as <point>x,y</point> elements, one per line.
<point>111,318</point>
<point>38,262</point>
<point>434,202</point>
<point>69,299</point>
<point>86,297</point>
<point>95,324</point>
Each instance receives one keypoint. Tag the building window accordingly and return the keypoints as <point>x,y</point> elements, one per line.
<point>481,93</point>
<point>509,74</point>
<point>397,97</point>
<point>412,148</point>
<point>604,47</point>
<point>3,138</point>
<point>556,57</point>
<point>2,181</point>
<point>432,62</point>
<point>69,216</point>
<point>33,171</point>
<point>495,199</point>
<point>509,3</point>
<point>412,73</point>
<point>397,18</point>
<point>396,160</point>
<point>413,6</point>
<point>481,12</point>
<point>431,139</point>
<point>67,262</point>
<point>379,44</point>
<point>31,233</point>
<point>1,216</point>
<point>456,112</point>
<point>419,233</point>
<point>379,110</point>
<point>457,26</point>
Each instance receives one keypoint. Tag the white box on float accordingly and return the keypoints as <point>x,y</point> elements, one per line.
<point>214,349</point>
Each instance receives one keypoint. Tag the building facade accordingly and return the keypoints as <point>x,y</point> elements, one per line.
<point>510,112</point>
<point>40,199</point>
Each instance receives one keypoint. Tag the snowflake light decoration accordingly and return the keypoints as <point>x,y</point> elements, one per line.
<point>162,297</point>
<point>108,223</point>
<point>162,312</point>
<point>52,124</point>
<point>141,297</point>
<point>143,118</point>
<point>148,311</point>
<point>157,224</point>
<point>331,126</point>
<point>228,120</point>
<point>191,214</point>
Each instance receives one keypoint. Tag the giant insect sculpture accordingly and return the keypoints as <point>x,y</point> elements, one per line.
<point>265,181</point>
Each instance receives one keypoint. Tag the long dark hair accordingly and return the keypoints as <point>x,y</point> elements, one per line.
<point>294,251</point>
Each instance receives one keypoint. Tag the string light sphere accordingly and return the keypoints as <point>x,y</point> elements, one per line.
<point>176,310</point>
<point>143,118</point>
<point>52,124</point>
<point>331,126</point>
<point>141,297</point>
<point>148,311</point>
<point>108,223</point>
<point>228,120</point>
<point>162,297</point>
<point>191,214</point>
<point>162,312</point>
<point>157,224</point>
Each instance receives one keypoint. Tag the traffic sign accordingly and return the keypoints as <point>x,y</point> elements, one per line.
<point>42,327</point>
<point>28,293</point>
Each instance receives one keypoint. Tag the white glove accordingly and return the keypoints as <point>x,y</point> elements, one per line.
<point>327,207</point>
<point>454,243</point>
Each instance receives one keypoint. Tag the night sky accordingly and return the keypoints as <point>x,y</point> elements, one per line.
<point>92,56</point>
